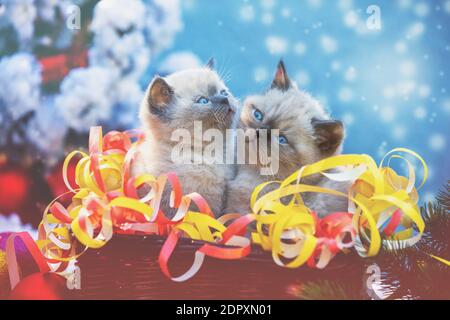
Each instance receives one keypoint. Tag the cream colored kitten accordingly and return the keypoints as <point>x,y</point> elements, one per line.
<point>175,102</point>
<point>306,134</point>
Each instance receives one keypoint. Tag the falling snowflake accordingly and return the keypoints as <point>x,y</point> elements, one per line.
<point>420,113</point>
<point>335,65</point>
<point>267,18</point>
<point>260,74</point>
<point>178,61</point>
<point>446,105</point>
<point>267,4</point>
<point>348,119</point>
<point>247,13</point>
<point>399,132</point>
<point>424,91</point>
<point>387,114</point>
<point>315,3</point>
<point>401,47</point>
<point>300,48</point>
<point>415,30</point>
<point>422,9</point>
<point>345,5</point>
<point>404,4</point>
<point>437,142</point>
<point>285,12</point>
<point>345,94</point>
<point>302,78</point>
<point>407,68</point>
<point>351,19</point>
<point>351,74</point>
<point>328,44</point>
<point>276,45</point>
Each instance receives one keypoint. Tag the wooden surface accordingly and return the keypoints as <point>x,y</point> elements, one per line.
<point>127,268</point>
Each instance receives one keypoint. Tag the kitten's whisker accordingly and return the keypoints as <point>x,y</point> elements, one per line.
<point>222,71</point>
<point>224,67</point>
<point>214,114</point>
<point>226,77</point>
<point>226,80</point>
<point>220,119</point>
<point>219,72</point>
<point>230,73</point>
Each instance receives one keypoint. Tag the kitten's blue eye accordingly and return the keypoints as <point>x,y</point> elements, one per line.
<point>282,140</point>
<point>203,100</point>
<point>258,115</point>
<point>224,93</point>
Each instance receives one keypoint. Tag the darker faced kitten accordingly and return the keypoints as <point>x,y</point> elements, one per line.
<point>182,100</point>
<point>306,134</point>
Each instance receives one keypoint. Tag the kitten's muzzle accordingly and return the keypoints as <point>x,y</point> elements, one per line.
<point>222,103</point>
<point>220,100</point>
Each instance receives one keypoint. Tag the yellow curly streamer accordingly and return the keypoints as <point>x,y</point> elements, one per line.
<point>289,231</point>
<point>375,195</point>
<point>59,239</point>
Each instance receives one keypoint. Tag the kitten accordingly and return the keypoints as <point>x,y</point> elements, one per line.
<point>306,134</point>
<point>175,102</point>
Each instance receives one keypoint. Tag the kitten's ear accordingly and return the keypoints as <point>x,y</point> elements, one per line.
<point>281,80</point>
<point>160,94</point>
<point>329,135</point>
<point>211,63</point>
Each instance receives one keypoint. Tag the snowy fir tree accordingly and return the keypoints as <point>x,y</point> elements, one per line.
<point>124,42</point>
<point>56,81</point>
<point>121,41</point>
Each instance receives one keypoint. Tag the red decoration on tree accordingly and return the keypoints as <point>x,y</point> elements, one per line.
<point>40,286</point>
<point>55,68</point>
<point>14,186</point>
<point>56,182</point>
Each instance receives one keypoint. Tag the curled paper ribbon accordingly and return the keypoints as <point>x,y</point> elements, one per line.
<point>11,257</point>
<point>383,209</point>
<point>105,201</point>
<point>108,199</point>
<point>229,237</point>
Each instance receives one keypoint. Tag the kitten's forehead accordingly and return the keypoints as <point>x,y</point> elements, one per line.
<point>292,108</point>
<point>191,81</point>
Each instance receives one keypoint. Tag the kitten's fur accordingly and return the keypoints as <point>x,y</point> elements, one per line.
<point>171,103</point>
<point>311,135</point>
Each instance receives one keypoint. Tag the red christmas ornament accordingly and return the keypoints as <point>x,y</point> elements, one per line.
<point>14,184</point>
<point>55,68</point>
<point>40,286</point>
<point>56,182</point>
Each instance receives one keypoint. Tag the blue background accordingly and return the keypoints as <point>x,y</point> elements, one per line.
<point>389,86</point>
